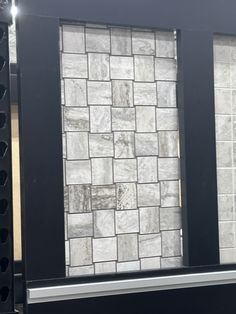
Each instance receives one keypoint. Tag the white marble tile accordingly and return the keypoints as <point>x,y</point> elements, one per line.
<point>148,194</point>
<point>127,247</point>
<point>80,251</point>
<point>227,256</point>
<point>99,93</point>
<point>168,143</point>
<point>122,93</point>
<point>124,144</point>
<point>127,221</point>
<point>64,152</point>
<point>143,43</point>
<point>171,243</point>
<point>104,223</point>
<point>97,40</point>
<point>224,181</point>
<point>125,170</point>
<point>104,249</point>
<point>146,144</point>
<point>76,119</point>
<point>167,119</point>
<point>102,173</point>
<point>63,92</point>
<point>74,65</point>
<point>233,75</point>
<point>100,119</point>
<point>147,169</point>
<point>123,119</point>
<point>145,94</point>
<point>66,198</point>
<point>150,263</point>
<point>168,169</point>
<point>171,262</point>
<point>99,67</point>
<point>104,197</point>
<point>166,94</point>
<point>77,145</point>
<point>101,145</point>
<point>105,267</point>
<point>224,154</point>
<point>222,74</point>
<point>122,68</point>
<point>149,245</point>
<point>169,193</point>
<point>227,234</point>
<point>81,271</point>
<point>145,119</point>
<point>73,38</point>
<point>165,69</point>
<point>80,225</point>
<point>67,252</point>
<point>223,127</point>
<point>223,100</point>
<point>149,220</point>
<point>222,49</point>
<point>78,172</point>
<point>75,92</point>
<point>170,218</point>
<point>165,44</point>
<point>144,68</point>
<point>128,266</point>
<point>226,207</point>
<point>79,198</point>
<point>126,196</point>
<point>120,41</point>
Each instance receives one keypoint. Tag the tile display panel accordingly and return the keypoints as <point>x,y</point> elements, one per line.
<point>120,149</point>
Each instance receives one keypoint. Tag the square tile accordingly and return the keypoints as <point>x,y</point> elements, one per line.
<point>125,170</point>
<point>126,196</point>
<point>222,74</point>
<point>224,154</point>
<point>104,197</point>
<point>104,223</point>
<point>169,193</point>
<point>227,256</point>
<point>123,119</point>
<point>166,94</point>
<point>145,119</point>
<point>226,234</point>
<point>146,144</point>
<point>120,41</point>
<point>97,40</point>
<point>168,169</point>
<point>167,119</point>
<point>147,169</point>
<point>149,220</point>
<point>101,145</point>
<point>78,172</point>
<point>223,100</point>
<point>170,218</point>
<point>122,68</point>
<point>149,245</point>
<point>143,43</point>
<point>74,66</point>
<point>127,221</point>
<point>73,38</point>
<point>99,67</point>
<point>171,245</point>
<point>171,262</point>
<point>124,144</point>
<point>144,68</point>
<point>80,225</point>
<point>76,119</point>
<point>226,207</point>
<point>223,127</point>
<point>145,94</point>
<point>225,181</point>
<point>127,247</point>
<point>75,92</point>
<point>168,143</point>
<point>80,252</point>
<point>165,69</point>
<point>105,268</point>
<point>99,93</point>
<point>104,249</point>
<point>100,119</point>
<point>150,263</point>
<point>165,44</point>
<point>102,173</point>
<point>81,271</point>
<point>122,93</point>
<point>222,49</point>
<point>77,145</point>
<point>128,266</point>
<point>79,198</point>
<point>148,194</point>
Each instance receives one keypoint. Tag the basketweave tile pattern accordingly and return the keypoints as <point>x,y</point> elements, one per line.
<point>225,117</point>
<point>120,149</point>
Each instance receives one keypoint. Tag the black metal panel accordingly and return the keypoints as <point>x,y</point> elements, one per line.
<point>41,148</point>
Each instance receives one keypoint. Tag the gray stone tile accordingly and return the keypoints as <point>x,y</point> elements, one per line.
<point>233,103</point>
<point>74,66</point>
<point>97,40</point>
<point>78,172</point>
<point>144,68</point>
<point>125,170</point>
<point>126,196</point>
<point>227,256</point>
<point>167,119</point>
<point>101,145</point>
<point>104,223</point>
<point>148,194</point>
<point>149,220</point>
<point>105,267</point>
<point>171,262</point>
<point>67,252</point>
<point>122,93</point>
<point>122,68</point>
<point>145,119</point>
<point>123,119</point>
<point>149,245</point>
<point>143,43</point>
<point>168,143</point>
<point>226,234</point>
<point>169,193</point>
<point>165,44</point>
<point>147,169</point>
<point>145,94</point>
<point>166,94</point>
<point>104,249</point>
<point>80,252</point>
<point>75,92</point>
<point>226,207</point>
<point>168,169</point>
<point>222,74</point>
<point>62,91</point>
<point>80,198</point>
<point>99,93</point>
<point>170,218</point>
<point>233,75</point>
<point>80,225</point>
<point>224,181</point>
<point>127,247</point>
<point>124,144</point>
<point>171,245</point>
<point>81,271</point>
<point>120,41</point>
<point>127,221</point>
<point>222,49</point>
<point>146,144</point>
<point>100,119</point>
<point>104,197</point>
<point>165,69</point>
<point>77,145</point>
<point>64,152</point>
<point>66,198</point>
<point>76,119</point>
<point>102,173</point>
<point>224,154</point>
<point>223,127</point>
<point>150,263</point>
<point>99,69</point>
<point>73,38</point>
<point>128,266</point>
<point>223,100</point>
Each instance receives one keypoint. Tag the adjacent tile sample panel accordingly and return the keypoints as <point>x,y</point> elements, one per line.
<point>225,118</point>
<point>120,149</point>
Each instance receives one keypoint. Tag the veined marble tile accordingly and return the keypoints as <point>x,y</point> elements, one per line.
<point>166,94</point>
<point>73,38</point>
<point>148,194</point>
<point>167,119</point>
<point>75,92</point>
<point>149,245</point>
<point>165,69</point>
<point>225,181</point>
<point>99,68</point>
<point>76,119</point>
<point>127,221</point>
<point>127,247</point>
<point>227,234</point>
<point>168,168</point>
<point>77,145</point>
<point>222,74</point>
<point>104,223</point>
<point>126,196</point>
<point>128,266</point>
<point>81,271</point>
<point>224,154</point>
<point>165,44</point>
<point>80,225</point>
<point>145,94</point>
<point>149,220</point>
<point>79,198</point>
<point>105,268</point>
<point>101,145</point>
<point>102,173</point>
<point>104,249</point>
<point>171,245</point>
<point>122,93</point>
<point>223,100</point>
<point>145,119</point>
<point>226,207</point>
<point>223,127</point>
<point>123,119</point>
<point>171,262</point>
<point>168,143</point>
<point>97,40</point>
<point>104,197</point>
<point>146,144</point>
<point>78,172</point>
<point>169,193</point>
<point>80,251</point>
<point>144,68</point>
<point>143,43</point>
<point>121,41</point>
<point>74,65</point>
<point>147,169</point>
<point>99,93</point>
<point>170,218</point>
<point>122,68</point>
<point>125,170</point>
<point>124,144</point>
<point>100,119</point>
<point>150,263</point>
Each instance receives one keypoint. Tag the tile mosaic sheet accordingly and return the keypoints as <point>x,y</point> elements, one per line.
<point>120,149</point>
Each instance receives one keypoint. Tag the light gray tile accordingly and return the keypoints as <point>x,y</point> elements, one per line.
<point>73,38</point>
<point>233,102</point>
<point>75,92</point>
<point>77,145</point>
<point>224,153</point>
<point>223,100</point>
<point>80,225</point>
<point>128,266</point>
<point>122,68</point>
<point>79,198</point>
<point>104,223</point>
<point>81,271</point>
<point>168,143</point>
<point>171,262</point>
<point>62,92</point>
<point>146,144</point>
<point>150,263</point>
<point>171,243</point>
<point>123,119</point>
<point>74,66</point>
<point>127,247</point>
<point>227,256</point>
<point>99,68</point>
<point>148,194</point>
<point>222,49</point>
<point>145,94</point>
<point>126,196</point>
<point>167,119</point>
<point>122,93</point>
<point>103,197</point>
<point>101,145</point>
<point>169,193</point>
<point>233,75</point>
<point>124,144</point>
<point>165,44</point>
<point>125,170</point>
<point>66,198</point>
<point>225,181</point>
<point>223,127</point>
<point>144,68</point>
<point>78,172</point>
<point>166,94</point>
<point>80,252</point>
<point>226,207</point>
<point>97,40</point>
<point>143,43</point>
<point>222,74</point>
<point>149,220</point>
<point>105,268</point>
<point>232,49</point>
<point>104,249</point>
<point>102,173</point>
<point>234,127</point>
<point>147,169</point>
<point>168,168</point>
<point>120,41</point>
<point>170,218</point>
<point>127,221</point>
<point>100,119</point>
<point>165,69</point>
<point>145,119</point>
<point>99,93</point>
<point>149,245</point>
<point>226,234</point>
<point>76,119</point>
<point>67,252</point>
